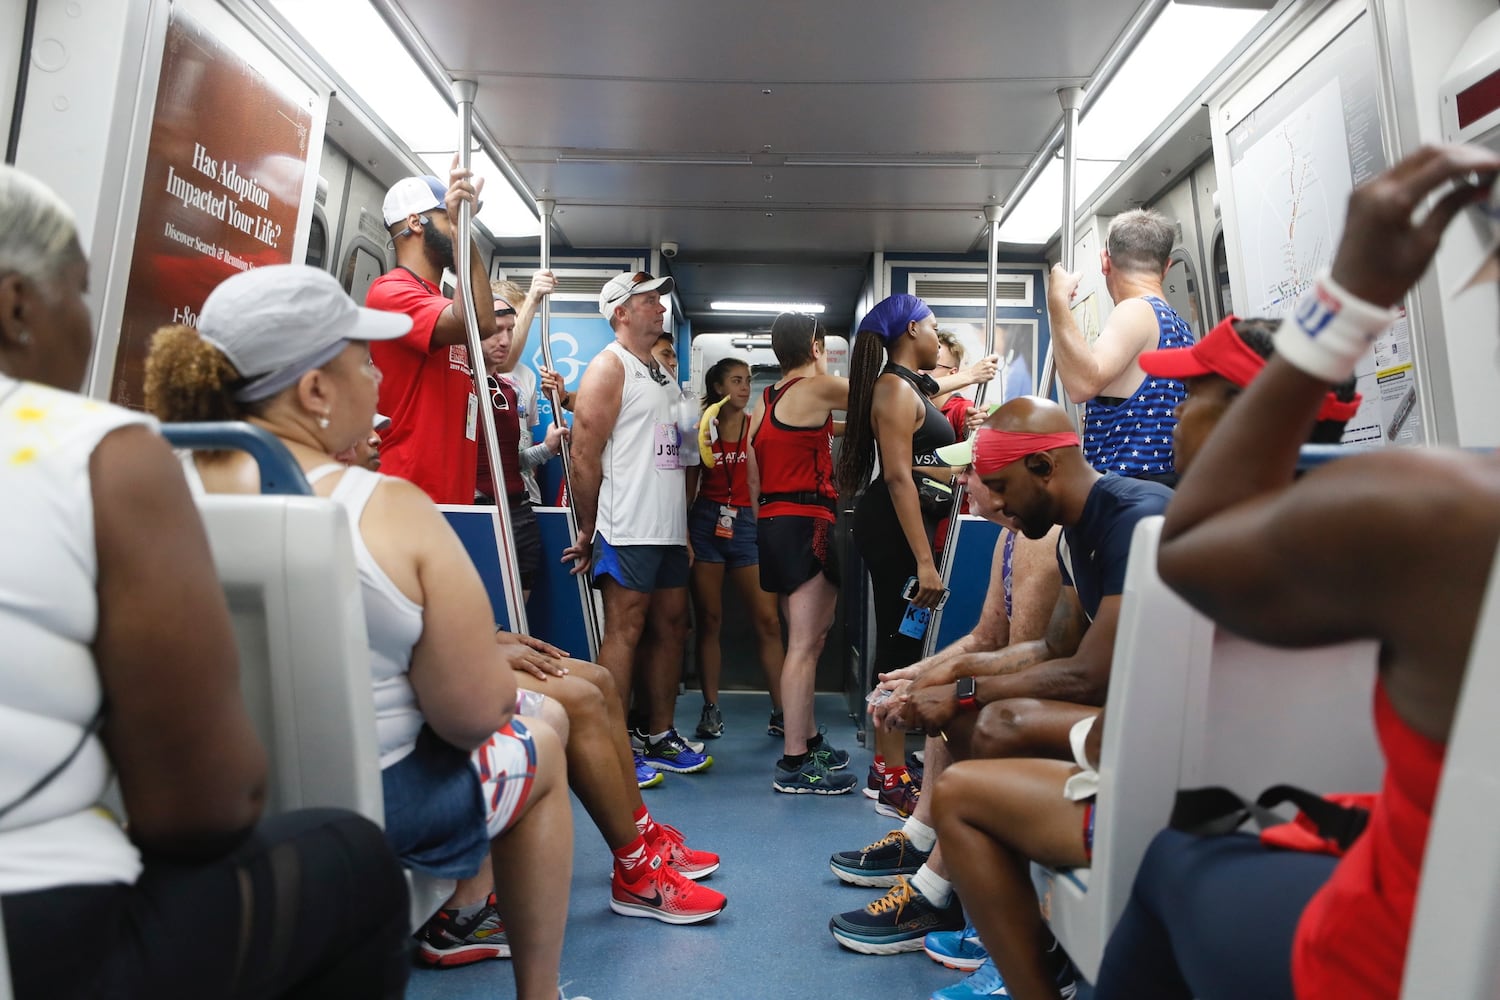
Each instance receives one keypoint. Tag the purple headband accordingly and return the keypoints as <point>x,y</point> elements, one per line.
<point>892,314</point>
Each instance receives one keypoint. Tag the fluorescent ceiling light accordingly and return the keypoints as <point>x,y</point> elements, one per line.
<point>1038,217</point>
<point>706,159</point>
<point>768,307</point>
<point>858,161</point>
<point>1171,63</point>
<point>1178,51</point>
<point>354,41</point>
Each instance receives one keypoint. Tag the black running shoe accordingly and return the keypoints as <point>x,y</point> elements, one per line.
<point>881,863</point>
<point>896,922</point>
<point>777,726</point>
<point>711,722</point>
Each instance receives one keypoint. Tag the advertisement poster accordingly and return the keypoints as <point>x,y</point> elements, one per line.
<point>225,174</point>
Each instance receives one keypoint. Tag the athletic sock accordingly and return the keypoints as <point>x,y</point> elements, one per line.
<point>922,836</point>
<point>792,762</point>
<point>644,824</point>
<point>470,911</point>
<point>937,891</point>
<point>657,738</point>
<point>633,858</point>
<point>891,777</point>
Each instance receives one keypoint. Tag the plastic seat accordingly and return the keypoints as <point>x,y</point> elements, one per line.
<point>1193,705</point>
<point>1452,950</point>
<point>286,561</point>
<point>287,567</point>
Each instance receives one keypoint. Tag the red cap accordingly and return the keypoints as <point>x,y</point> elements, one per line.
<point>1223,353</point>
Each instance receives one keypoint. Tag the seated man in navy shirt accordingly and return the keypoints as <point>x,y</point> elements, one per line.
<point>1023,700</point>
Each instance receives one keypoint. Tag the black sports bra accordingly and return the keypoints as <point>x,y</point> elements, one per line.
<point>935,431</point>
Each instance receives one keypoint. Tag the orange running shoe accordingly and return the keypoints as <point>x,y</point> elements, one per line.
<point>663,894</point>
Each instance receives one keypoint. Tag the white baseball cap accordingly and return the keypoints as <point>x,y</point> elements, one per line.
<point>413,196</point>
<point>623,286</point>
<point>277,322</point>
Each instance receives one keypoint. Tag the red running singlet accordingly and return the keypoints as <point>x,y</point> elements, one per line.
<point>728,481</point>
<point>795,463</point>
<point>1351,940</point>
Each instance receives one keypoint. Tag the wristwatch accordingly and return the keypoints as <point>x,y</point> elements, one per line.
<point>964,690</point>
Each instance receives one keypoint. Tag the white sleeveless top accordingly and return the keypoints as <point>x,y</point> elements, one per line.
<point>641,501</point>
<point>49,616</point>
<point>393,620</point>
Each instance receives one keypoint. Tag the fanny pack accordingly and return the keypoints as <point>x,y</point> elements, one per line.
<point>807,498</point>
<point>935,496</point>
<point>1325,824</point>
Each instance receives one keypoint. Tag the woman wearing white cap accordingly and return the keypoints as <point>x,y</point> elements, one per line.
<point>286,349</point>
<point>119,655</point>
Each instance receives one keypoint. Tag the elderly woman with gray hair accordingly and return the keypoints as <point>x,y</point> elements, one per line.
<point>118,656</point>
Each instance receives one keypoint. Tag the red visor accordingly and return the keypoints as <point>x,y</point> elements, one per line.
<point>1223,353</point>
<point>995,449</point>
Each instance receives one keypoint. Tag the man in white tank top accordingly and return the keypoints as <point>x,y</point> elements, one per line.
<point>630,497</point>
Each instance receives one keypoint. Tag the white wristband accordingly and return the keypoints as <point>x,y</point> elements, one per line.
<point>1330,330</point>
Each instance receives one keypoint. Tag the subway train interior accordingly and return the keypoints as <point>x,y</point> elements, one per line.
<point>774,158</point>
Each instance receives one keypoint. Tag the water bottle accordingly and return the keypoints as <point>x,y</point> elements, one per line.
<point>687,428</point>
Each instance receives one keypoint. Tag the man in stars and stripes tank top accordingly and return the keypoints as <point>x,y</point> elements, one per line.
<point>1128,415</point>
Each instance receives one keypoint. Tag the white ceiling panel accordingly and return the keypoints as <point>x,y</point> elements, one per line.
<point>578,94</point>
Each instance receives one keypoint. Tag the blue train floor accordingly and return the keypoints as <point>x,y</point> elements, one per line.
<point>772,941</point>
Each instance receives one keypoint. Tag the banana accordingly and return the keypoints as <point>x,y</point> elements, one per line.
<point>707,432</point>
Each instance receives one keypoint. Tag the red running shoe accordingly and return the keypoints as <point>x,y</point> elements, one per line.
<point>664,895</point>
<point>689,863</point>
<point>899,799</point>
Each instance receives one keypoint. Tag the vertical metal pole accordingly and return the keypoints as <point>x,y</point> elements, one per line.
<point>515,603</point>
<point>950,543</point>
<point>586,594</point>
<point>1071,99</point>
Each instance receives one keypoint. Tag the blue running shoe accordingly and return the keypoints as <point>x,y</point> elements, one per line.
<point>672,753</point>
<point>812,778</point>
<point>832,757</point>
<point>985,981</point>
<point>959,950</point>
<point>645,776</point>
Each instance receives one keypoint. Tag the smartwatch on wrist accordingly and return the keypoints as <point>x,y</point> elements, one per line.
<point>965,692</point>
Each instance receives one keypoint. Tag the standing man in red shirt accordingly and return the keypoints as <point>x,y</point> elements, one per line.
<point>428,385</point>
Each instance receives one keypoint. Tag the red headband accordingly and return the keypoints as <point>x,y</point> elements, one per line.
<point>995,449</point>
<point>1221,352</point>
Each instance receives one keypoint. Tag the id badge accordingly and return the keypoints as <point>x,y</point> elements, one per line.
<point>725,527</point>
<point>668,440</point>
<point>914,622</point>
<point>471,422</point>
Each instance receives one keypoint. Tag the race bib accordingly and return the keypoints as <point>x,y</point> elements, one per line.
<point>668,442</point>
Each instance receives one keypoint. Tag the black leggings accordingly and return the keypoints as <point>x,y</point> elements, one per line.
<point>1211,917</point>
<point>888,560</point>
<point>313,904</point>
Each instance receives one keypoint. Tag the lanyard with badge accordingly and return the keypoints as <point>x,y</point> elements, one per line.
<point>724,527</point>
